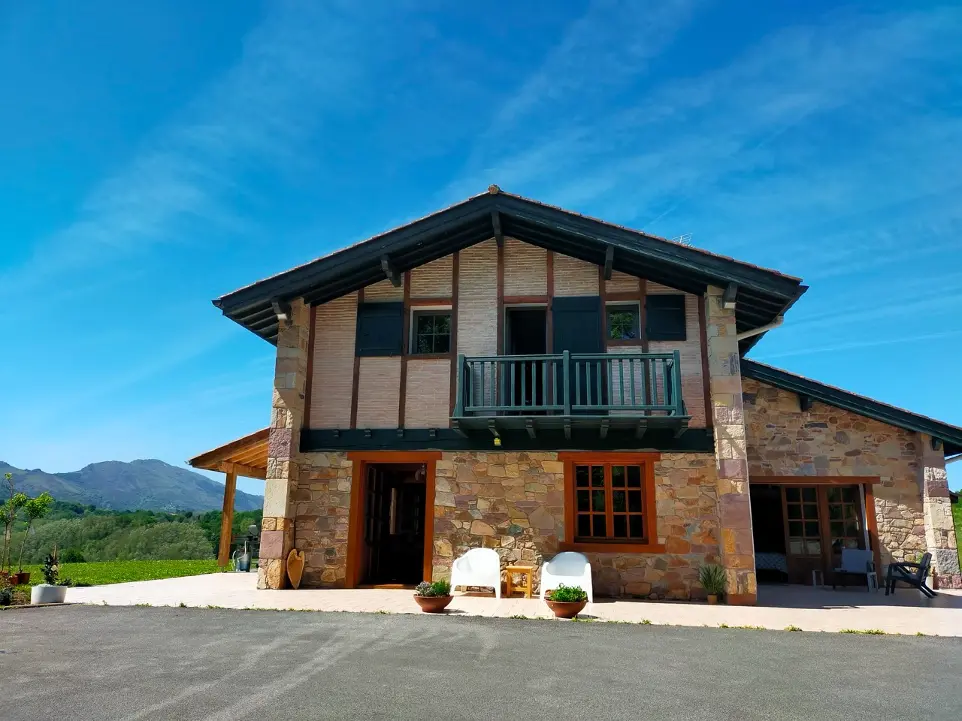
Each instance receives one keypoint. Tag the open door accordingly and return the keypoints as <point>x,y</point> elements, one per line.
<point>805,551</point>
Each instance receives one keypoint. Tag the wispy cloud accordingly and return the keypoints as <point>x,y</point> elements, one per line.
<point>836,347</point>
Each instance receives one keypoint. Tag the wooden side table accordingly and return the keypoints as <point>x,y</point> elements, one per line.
<point>528,584</point>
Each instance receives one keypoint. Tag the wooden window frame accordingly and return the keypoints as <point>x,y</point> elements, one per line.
<point>419,311</point>
<point>623,306</point>
<point>647,462</point>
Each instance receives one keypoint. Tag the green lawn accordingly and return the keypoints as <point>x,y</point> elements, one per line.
<point>95,574</point>
<point>957,517</point>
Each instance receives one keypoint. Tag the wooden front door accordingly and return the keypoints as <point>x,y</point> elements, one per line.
<point>803,532</point>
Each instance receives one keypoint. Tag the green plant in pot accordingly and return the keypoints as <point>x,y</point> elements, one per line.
<point>433,597</point>
<point>567,601</point>
<point>713,579</point>
<point>51,590</point>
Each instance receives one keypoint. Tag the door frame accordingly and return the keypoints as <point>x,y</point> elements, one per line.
<point>866,482</point>
<point>355,531</point>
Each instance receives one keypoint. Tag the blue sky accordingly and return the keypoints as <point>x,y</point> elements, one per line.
<point>156,155</point>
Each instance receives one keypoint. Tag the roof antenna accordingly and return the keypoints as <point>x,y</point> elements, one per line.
<point>684,239</point>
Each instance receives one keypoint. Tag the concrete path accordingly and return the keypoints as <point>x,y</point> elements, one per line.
<point>811,609</point>
<point>128,664</point>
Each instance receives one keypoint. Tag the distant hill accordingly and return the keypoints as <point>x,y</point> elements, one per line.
<point>149,485</point>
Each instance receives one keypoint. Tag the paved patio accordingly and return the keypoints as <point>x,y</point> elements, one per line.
<point>811,609</point>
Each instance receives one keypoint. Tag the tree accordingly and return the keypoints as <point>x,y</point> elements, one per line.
<point>9,512</point>
<point>35,508</point>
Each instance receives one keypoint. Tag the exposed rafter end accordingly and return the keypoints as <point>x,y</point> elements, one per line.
<point>456,427</point>
<point>936,444</point>
<point>336,433</point>
<point>493,427</point>
<point>282,310</point>
<point>400,433</point>
<point>805,402</point>
<point>728,297</point>
<point>609,261</point>
<point>496,227</point>
<point>529,426</point>
<point>432,433</point>
<point>641,429</point>
<point>603,430</point>
<point>567,429</point>
<point>680,430</point>
<point>367,432</point>
<point>390,271</point>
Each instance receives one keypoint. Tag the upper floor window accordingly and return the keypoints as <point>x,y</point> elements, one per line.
<point>622,320</point>
<point>432,332</point>
<point>665,317</point>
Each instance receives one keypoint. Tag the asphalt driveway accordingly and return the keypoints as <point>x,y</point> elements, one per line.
<point>80,662</point>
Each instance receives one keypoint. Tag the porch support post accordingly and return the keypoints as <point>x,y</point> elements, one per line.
<point>227,518</point>
<point>940,538</point>
<point>728,416</point>
<point>283,453</point>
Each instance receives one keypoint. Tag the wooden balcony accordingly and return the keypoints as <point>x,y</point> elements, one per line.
<point>563,391</point>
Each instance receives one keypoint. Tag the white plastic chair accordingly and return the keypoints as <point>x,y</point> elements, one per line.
<point>478,567</point>
<point>570,569</point>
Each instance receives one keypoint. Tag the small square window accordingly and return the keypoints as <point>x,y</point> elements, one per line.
<point>432,332</point>
<point>623,322</point>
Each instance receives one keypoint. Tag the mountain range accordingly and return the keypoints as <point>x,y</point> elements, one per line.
<point>139,485</point>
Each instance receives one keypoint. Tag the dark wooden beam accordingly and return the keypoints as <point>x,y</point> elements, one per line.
<point>227,519</point>
<point>641,429</point>
<point>603,431</point>
<point>282,310</point>
<point>456,427</point>
<point>493,427</point>
<point>805,402</point>
<point>936,444</point>
<point>496,226</point>
<point>728,297</point>
<point>390,272</point>
<point>609,260</point>
<point>529,426</point>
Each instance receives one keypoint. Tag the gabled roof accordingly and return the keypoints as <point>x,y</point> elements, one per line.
<point>762,294</point>
<point>951,436</point>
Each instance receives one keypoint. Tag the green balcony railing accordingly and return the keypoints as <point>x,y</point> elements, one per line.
<point>570,384</point>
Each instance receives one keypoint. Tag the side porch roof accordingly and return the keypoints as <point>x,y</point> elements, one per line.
<point>245,456</point>
<point>761,294</point>
<point>949,435</point>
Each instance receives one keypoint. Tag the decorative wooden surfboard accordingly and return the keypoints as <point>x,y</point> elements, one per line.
<point>295,567</point>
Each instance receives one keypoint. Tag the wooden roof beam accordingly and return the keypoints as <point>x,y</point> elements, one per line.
<point>496,228</point>
<point>728,297</point>
<point>609,260</point>
<point>390,271</point>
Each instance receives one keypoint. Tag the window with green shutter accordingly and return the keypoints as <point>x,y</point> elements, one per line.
<point>665,317</point>
<point>380,329</point>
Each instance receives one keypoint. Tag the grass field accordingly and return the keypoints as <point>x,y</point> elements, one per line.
<point>96,574</point>
<point>957,517</point>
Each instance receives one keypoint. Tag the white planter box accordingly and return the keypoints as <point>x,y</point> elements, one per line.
<point>43,593</point>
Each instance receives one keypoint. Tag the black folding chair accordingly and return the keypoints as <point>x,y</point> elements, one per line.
<point>911,573</point>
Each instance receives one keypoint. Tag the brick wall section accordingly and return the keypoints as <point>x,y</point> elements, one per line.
<point>525,268</point>
<point>287,416</point>
<point>574,277</point>
<point>378,392</point>
<point>322,506</point>
<point>621,283</point>
<point>692,380</point>
<point>335,326</point>
<point>428,402</point>
<point>734,503</point>
<point>478,300</point>
<point>383,291</point>
<point>433,280</point>
<point>783,440</point>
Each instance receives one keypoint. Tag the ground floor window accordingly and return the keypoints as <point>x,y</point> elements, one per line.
<point>609,500</point>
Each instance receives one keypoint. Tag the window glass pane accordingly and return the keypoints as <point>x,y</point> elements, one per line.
<point>794,510</point>
<point>442,344</point>
<point>621,527</point>
<point>424,344</point>
<point>581,475</point>
<point>442,324</point>
<point>837,529</point>
<point>634,476</point>
<point>834,494</point>
<point>850,512</point>
<point>851,529</point>
<point>795,529</point>
<point>597,476</point>
<point>599,526</point>
<point>584,501</point>
<point>792,494</point>
<point>584,525</point>
<point>811,510</point>
<point>598,501</point>
<point>835,512</point>
<point>796,546</point>
<point>814,547</point>
<point>849,494</point>
<point>811,529</point>
<point>634,501</point>
<point>618,476</point>
<point>618,502</point>
<point>808,494</point>
<point>623,322</point>
<point>636,527</point>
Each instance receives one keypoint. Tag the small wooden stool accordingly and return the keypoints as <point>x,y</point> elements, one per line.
<point>511,587</point>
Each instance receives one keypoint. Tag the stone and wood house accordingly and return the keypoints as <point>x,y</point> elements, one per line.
<point>507,374</point>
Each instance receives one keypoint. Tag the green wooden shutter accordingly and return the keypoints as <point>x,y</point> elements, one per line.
<point>379,329</point>
<point>665,317</point>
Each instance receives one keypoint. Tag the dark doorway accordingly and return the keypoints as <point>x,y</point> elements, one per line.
<point>577,324</point>
<point>394,524</point>
<point>768,533</point>
<point>526,333</point>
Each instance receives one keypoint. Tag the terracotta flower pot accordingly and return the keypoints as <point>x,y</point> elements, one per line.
<point>566,609</point>
<point>23,578</point>
<point>433,604</point>
<point>712,599</point>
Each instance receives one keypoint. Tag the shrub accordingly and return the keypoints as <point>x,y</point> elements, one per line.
<point>6,594</point>
<point>569,594</point>
<point>713,580</point>
<point>438,588</point>
<point>50,570</point>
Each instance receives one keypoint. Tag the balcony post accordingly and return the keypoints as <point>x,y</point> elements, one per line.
<point>459,395</point>
<point>566,376</point>
<point>676,399</point>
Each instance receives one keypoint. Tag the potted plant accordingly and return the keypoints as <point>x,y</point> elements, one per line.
<point>566,601</point>
<point>35,509</point>
<point>433,597</point>
<point>713,579</point>
<point>50,591</point>
<point>8,511</point>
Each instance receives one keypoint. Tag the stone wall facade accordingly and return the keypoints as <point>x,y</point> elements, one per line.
<point>784,440</point>
<point>514,503</point>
